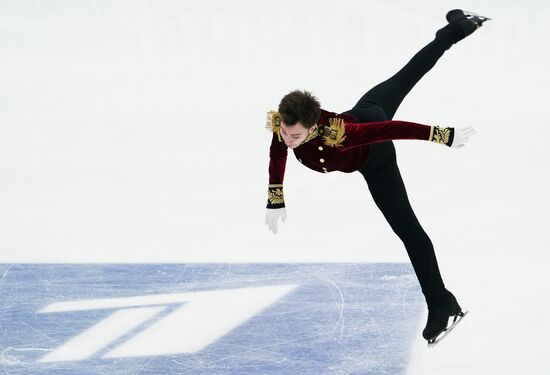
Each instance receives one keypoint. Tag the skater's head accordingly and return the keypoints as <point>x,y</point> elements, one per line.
<point>300,111</point>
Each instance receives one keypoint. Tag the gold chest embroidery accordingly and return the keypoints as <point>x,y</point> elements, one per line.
<point>313,134</point>
<point>334,134</point>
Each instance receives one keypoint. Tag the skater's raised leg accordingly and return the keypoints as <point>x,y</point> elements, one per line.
<point>389,94</point>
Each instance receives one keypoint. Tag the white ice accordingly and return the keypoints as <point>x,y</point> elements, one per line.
<point>132,131</point>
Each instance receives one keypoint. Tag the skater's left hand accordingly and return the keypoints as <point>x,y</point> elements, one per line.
<point>272,215</point>
<point>461,136</point>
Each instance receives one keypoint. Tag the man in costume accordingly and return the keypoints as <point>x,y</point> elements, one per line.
<point>361,140</point>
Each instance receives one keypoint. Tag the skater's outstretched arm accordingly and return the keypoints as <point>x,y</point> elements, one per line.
<point>360,134</point>
<point>278,152</point>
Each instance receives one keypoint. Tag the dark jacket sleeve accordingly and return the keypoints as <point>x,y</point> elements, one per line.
<point>359,134</point>
<point>278,152</point>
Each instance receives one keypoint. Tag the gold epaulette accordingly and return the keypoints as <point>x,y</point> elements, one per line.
<point>273,123</point>
<point>334,134</point>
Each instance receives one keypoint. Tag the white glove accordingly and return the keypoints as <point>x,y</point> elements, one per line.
<point>462,136</point>
<point>272,215</point>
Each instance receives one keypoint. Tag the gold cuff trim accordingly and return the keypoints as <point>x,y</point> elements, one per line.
<point>441,135</point>
<point>275,196</point>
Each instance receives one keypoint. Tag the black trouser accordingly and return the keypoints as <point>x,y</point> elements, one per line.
<point>382,174</point>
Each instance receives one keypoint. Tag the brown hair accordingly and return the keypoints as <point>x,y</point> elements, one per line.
<point>300,106</point>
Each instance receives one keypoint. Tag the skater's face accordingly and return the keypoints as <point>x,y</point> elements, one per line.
<point>296,134</point>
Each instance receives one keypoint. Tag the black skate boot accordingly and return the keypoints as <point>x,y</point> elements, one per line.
<point>439,318</point>
<point>461,24</point>
<point>456,14</point>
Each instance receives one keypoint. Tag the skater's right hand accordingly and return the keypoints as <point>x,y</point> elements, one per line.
<point>461,136</point>
<point>272,215</point>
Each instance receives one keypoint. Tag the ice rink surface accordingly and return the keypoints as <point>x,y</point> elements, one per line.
<point>133,132</point>
<point>208,319</point>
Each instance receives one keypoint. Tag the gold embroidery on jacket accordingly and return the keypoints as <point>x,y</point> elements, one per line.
<point>334,134</point>
<point>275,195</point>
<point>312,135</point>
<point>273,123</point>
<point>441,135</point>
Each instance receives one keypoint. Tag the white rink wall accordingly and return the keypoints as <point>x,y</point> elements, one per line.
<point>133,131</point>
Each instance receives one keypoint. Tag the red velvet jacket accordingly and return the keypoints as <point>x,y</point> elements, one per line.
<point>340,144</point>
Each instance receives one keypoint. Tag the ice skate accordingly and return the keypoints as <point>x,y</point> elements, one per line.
<point>457,14</point>
<point>461,24</point>
<point>437,325</point>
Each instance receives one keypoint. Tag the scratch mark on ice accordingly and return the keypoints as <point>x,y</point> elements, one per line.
<point>5,273</point>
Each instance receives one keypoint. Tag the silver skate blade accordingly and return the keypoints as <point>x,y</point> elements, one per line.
<point>442,335</point>
<point>472,14</point>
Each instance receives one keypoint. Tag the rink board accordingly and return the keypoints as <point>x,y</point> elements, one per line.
<point>208,318</point>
